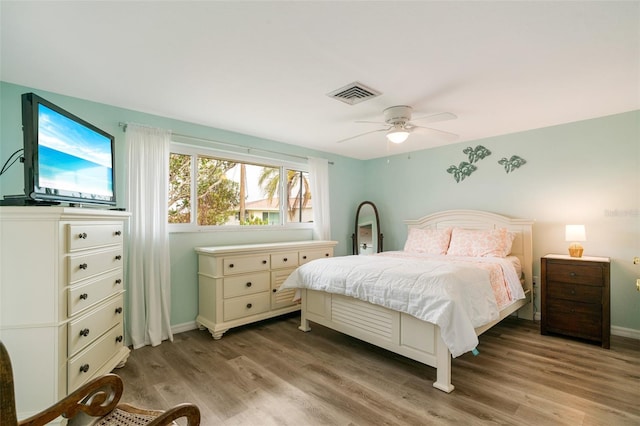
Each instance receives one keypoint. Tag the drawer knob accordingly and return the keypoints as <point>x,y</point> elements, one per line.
<point>118,233</point>
<point>118,257</point>
<point>118,281</point>
<point>264,262</point>
<point>84,296</point>
<point>82,236</point>
<point>83,266</point>
<point>84,368</point>
<point>326,254</point>
<point>304,257</point>
<point>119,310</point>
<point>274,290</point>
<point>285,259</point>
<point>573,291</point>
<point>84,332</point>
<point>249,284</point>
<point>231,265</point>
<point>249,305</point>
<point>119,339</point>
<point>572,274</point>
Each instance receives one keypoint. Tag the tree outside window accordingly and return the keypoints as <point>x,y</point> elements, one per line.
<point>235,193</point>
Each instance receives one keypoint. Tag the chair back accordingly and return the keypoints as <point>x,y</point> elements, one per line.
<point>8,416</point>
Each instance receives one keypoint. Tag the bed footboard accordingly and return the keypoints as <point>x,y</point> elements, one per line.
<point>391,330</point>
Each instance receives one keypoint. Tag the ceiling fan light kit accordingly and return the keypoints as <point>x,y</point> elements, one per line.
<point>397,135</point>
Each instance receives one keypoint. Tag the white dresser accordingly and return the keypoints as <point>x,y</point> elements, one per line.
<point>61,298</point>
<point>239,284</point>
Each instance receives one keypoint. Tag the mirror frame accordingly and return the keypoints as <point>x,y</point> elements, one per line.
<point>354,236</point>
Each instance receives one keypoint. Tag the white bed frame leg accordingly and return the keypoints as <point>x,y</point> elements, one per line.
<point>304,322</point>
<point>304,325</point>
<point>443,369</point>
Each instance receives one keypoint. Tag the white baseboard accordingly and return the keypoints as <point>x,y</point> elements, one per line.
<point>181,328</point>
<point>625,332</point>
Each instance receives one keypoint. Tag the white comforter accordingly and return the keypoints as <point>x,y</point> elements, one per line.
<point>455,295</point>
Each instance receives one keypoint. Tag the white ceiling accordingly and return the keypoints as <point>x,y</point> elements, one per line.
<point>265,68</point>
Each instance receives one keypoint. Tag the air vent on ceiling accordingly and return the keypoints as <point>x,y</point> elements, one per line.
<point>354,93</point>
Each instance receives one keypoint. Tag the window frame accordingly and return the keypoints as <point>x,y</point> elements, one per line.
<point>194,151</point>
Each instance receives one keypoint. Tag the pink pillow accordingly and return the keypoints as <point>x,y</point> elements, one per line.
<point>429,241</point>
<point>480,243</point>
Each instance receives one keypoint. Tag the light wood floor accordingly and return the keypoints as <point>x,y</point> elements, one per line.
<point>271,373</point>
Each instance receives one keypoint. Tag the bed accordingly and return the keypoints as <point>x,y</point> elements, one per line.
<point>412,330</point>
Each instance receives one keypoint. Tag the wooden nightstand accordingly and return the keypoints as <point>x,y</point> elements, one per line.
<point>575,297</point>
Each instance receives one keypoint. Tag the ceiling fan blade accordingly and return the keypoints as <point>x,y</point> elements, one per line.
<point>440,134</point>
<point>442,116</point>
<point>371,122</point>
<point>362,134</point>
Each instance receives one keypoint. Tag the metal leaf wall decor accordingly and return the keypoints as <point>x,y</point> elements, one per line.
<point>512,163</point>
<point>464,169</point>
<point>477,153</point>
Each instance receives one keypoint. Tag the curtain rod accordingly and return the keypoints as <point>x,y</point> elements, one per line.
<point>248,148</point>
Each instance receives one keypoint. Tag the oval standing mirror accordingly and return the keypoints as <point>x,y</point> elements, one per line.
<point>367,238</point>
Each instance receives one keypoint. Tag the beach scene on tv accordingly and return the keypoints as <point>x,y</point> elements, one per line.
<point>74,160</point>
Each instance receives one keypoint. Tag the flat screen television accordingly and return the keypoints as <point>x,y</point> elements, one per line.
<point>66,159</point>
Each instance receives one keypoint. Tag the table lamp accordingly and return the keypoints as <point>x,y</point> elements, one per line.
<point>575,234</point>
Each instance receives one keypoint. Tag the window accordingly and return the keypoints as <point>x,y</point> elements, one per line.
<point>299,200</point>
<point>208,189</point>
<point>179,188</point>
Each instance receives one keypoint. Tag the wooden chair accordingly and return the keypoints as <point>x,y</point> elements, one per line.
<point>94,403</point>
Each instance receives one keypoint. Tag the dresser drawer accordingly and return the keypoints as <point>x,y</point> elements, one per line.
<point>284,260</point>
<point>246,305</point>
<point>82,296</point>
<point>575,319</point>
<point>85,266</point>
<point>83,366</point>
<point>576,292</point>
<point>243,285</point>
<point>278,277</point>
<point>309,255</point>
<point>585,273</point>
<point>82,237</point>
<point>280,299</point>
<point>87,328</point>
<point>242,264</point>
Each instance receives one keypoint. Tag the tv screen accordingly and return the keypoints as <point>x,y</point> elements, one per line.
<point>66,159</point>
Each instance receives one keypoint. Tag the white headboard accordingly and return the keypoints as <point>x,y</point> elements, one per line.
<point>476,219</point>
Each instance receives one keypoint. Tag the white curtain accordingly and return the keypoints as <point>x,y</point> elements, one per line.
<point>149,281</point>
<point>319,176</point>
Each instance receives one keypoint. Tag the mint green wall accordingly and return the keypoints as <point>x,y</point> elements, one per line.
<point>184,283</point>
<point>585,172</point>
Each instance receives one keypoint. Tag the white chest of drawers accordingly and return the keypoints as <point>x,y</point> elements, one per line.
<point>61,298</point>
<point>238,285</point>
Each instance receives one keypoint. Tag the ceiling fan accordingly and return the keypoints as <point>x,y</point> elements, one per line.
<point>398,125</point>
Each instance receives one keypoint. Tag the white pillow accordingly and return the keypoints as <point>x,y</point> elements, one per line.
<point>429,241</point>
<point>480,243</point>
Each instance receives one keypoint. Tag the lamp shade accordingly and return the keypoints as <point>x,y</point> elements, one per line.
<point>397,136</point>
<point>575,233</point>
